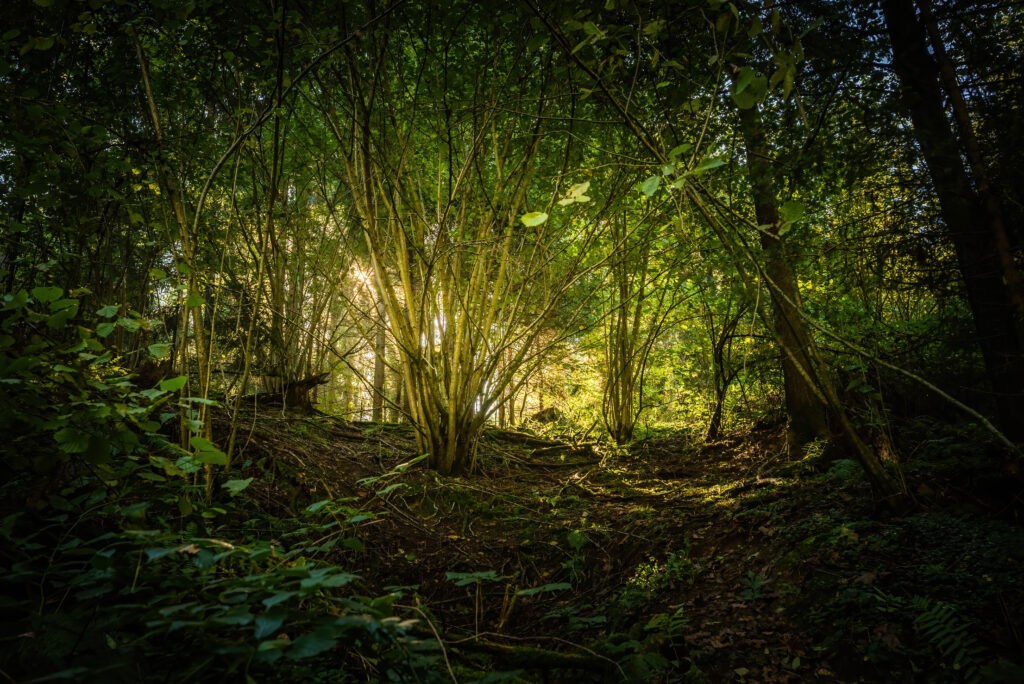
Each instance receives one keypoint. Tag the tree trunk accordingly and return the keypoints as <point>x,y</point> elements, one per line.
<point>979,169</point>
<point>808,413</point>
<point>811,397</point>
<point>378,373</point>
<point>969,224</point>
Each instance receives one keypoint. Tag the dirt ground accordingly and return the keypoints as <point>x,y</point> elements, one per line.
<point>668,561</point>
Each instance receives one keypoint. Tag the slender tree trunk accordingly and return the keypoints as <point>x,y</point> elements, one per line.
<point>808,412</point>
<point>811,397</point>
<point>979,169</point>
<point>378,371</point>
<point>969,224</point>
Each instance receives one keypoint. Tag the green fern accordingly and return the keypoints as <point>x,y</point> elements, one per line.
<point>950,635</point>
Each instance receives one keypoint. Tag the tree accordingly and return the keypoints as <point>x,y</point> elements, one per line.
<point>974,227</point>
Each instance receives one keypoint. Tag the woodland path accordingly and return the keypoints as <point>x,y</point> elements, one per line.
<point>668,561</point>
<point>669,549</point>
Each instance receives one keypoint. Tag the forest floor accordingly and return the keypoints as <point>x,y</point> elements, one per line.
<point>667,561</point>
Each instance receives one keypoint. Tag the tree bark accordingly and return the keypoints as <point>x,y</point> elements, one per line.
<point>378,372</point>
<point>808,412</point>
<point>811,397</point>
<point>979,169</point>
<point>969,224</point>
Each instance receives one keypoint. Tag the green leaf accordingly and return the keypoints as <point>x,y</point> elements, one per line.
<point>339,579</point>
<point>71,440</point>
<point>534,218</point>
<point>62,313</point>
<point>753,93</point>
<point>461,579</point>
<point>108,311</point>
<point>314,507</point>
<point>104,329</point>
<point>195,300</point>
<point>708,164</point>
<point>679,150</point>
<point>153,554</point>
<point>128,324</point>
<point>160,349</point>
<point>13,302</point>
<point>267,623</point>
<point>46,294</point>
<point>533,591</point>
<point>792,211</point>
<point>207,452</point>
<point>650,186</point>
<point>235,487</point>
<point>579,189</point>
<point>746,75</point>
<point>43,43</point>
<point>173,384</point>
<point>311,644</point>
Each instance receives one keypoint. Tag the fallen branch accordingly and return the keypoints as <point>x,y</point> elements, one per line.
<point>534,658</point>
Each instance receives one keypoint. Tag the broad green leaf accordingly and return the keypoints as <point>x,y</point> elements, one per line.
<point>173,384</point>
<point>792,211</point>
<point>278,598</point>
<point>104,329</point>
<point>579,189</point>
<point>744,78</point>
<point>235,487</point>
<point>160,349</point>
<point>207,452</point>
<point>534,218</point>
<point>267,623</point>
<point>153,554</point>
<point>753,93</point>
<point>46,294</point>
<point>152,393</point>
<point>311,644</point>
<point>339,579</point>
<point>708,164</point>
<point>650,186</point>
<point>679,150</point>
<point>43,43</point>
<point>65,309</point>
<point>108,311</point>
<point>217,457</point>
<point>128,324</point>
<point>71,440</point>
<point>195,300</point>
<point>13,302</point>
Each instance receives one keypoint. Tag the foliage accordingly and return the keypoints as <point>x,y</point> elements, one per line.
<point>114,562</point>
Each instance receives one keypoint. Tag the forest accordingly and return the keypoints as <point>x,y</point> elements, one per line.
<point>512,341</point>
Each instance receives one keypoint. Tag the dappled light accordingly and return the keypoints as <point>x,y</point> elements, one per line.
<point>417,341</point>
